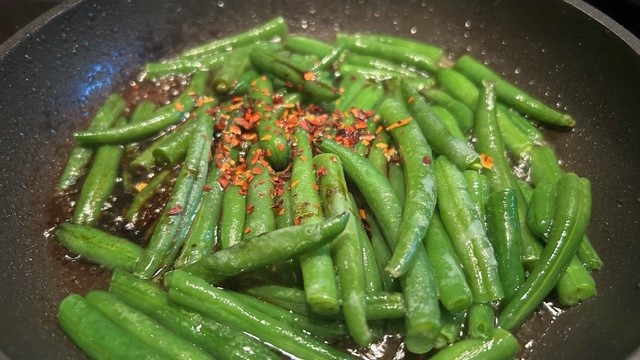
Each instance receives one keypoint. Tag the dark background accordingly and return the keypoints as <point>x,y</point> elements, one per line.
<point>14,14</point>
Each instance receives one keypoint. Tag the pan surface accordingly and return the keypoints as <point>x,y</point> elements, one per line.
<point>55,72</point>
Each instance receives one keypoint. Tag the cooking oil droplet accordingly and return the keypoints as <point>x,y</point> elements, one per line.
<point>304,23</point>
<point>414,30</point>
<point>517,71</point>
<point>396,21</point>
<point>467,24</point>
<point>220,3</point>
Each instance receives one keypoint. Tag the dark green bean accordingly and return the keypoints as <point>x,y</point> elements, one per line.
<point>372,275</point>
<point>98,336</point>
<point>274,28</point>
<point>370,73</point>
<point>458,151</point>
<point>449,121</point>
<point>143,111</point>
<point>396,180</point>
<point>510,94</point>
<point>260,217</point>
<point>453,290</point>
<point>571,216</point>
<point>269,248</point>
<point>163,117</point>
<point>501,346</point>
<point>98,246</point>
<point>144,328</point>
<point>461,112</point>
<point>219,340</point>
<point>429,50</point>
<point>196,294</point>
<point>308,46</point>
<point>317,268</point>
<point>81,155</point>
<point>172,227</point>
<point>467,233</point>
<point>350,85</point>
<point>381,253</point>
<point>375,62</point>
<point>177,138</point>
<point>142,198</point>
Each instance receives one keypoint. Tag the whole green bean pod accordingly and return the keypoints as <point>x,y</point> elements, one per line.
<point>501,346</point>
<point>422,318</point>
<point>370,73</point>
<point>571,216</point>
<point>458,86</point>
<point>510,94</point>
<point>530,130</point>
<point>443,142</point>
<point>503,226</point>
<point>196,294</point>
<point>308,46</point>
<point>489,142</point>
<point>81,155</point>
<point>420,200</point>
<point>219,340</point>
<point>269,248</point>
<point>170,232</point>
<point>481,321</point>
<point>97,246</point>
<point>143,327</point>
<point>227,77</point>
<point>163,117</point>
<point>271,135</point>
<point>273,28</point>
<point>453,290</point>
<point>184,67</point>
<point>317,267</point>
<point>201,238</point>
<point>283,69</point>
<point>98,336</point>
<point>99,184</point>
<point>514,139</point>
<point>375,62</point>
<point>467,233</point>
<point>429,50</point>
<point>391,52</point>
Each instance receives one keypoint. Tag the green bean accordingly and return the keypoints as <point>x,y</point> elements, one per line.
<point>350,85</point>
<point>98,336</point>
<point>467,233</point>
<point>380,306</point>
<point>571,216</point>
<point>381,252</point>
<point>374,62</point>
<point>458,86</point>
<point>308,46</point>
<point>317,268</point>
<point>99,184</point>
<point>97,246</point>
<point>370,73</point>
<point>531,131</point>
<point>541,208</point>
<point>142,112</point>
<point>81,155</point>
<point>284,217</point>
<point>437,135</point>
<point>316,326</point>
<point>372,275</point>
<point>260,217</point>
<point>244,82</point>
<point>461,112</point>
<point>449,121</point>
<point>181,135</point>
<point>170,232</point>
<point>142,198</point>
<point>377,156</point>
<point>386,51</point>
<point>503,226</point>
<point>453,290</point>
<point>510,94</point>
<point>478,188</point>
<point>396,180</point>
<point>227,77</point>
<point>232,220</point>
<point>451,328</point>
<point>481,321</point>
<point>184,67</point>
<point>196,294</point>
<point>219,340</point>
<point>501,346</point>
<point>143,327</point>
<point>164,117</point>
<point>575,284</point>
<point>273,28</point>
<point>489,142</point>
<point>420,200</point>
<point>516,141</point>
<point>201,238</point>
<point>283,69</point>
<point>269,248</point>
<point>429,50</point>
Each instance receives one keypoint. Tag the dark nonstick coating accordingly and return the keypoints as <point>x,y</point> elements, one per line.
<point>53,75</point>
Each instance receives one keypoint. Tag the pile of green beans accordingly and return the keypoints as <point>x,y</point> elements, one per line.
<point>297,194</point>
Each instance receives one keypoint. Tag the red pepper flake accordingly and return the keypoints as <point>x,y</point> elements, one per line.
<point>309,76</point>
<point>410,100</point>
<point>178,105</point>
<point>303,158</point>
<point>256,170</point>
<point>322,171</point>
<point>281,211</point>
<point>207,187</point>
<point>427,160</point>
<point>247,230</point>
<point>249,208</point>
<point>281,147</point>
<point>175,210</point>
<point>235,129</point>
<point>266,137</point>
<point>486,161</point>
<point>247,125</point>
<point>399,123</point>
<point>294,183</point>
<point>316,187</point>
<point>363,215</point>
<point>297,220</point>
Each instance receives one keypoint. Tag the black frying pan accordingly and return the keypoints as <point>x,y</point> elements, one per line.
<point>55,72</point>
